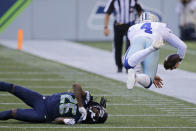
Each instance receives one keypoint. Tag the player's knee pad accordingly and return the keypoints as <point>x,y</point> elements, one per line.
<point>149,84</point>
<point>126,64</point>
<point>144,80</point>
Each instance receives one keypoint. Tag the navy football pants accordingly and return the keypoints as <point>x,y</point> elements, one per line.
<point>31,98</point>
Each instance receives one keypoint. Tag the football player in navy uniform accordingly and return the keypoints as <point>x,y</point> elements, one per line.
<point>68,108</point>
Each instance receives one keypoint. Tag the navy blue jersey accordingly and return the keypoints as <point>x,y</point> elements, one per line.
<point>63,105</point>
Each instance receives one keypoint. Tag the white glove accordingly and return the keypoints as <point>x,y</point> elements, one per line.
<point>83,111</point>
<point>69,121</point>
<point>87,97</point>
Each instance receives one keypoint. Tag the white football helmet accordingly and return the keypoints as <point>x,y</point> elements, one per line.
<point>147,16</point>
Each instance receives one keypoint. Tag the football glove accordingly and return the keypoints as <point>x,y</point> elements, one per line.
<point>88,97</point>
<point>69,121</point>
<point>83,112</point>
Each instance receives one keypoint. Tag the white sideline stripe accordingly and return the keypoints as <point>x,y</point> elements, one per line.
<point>170,104</point>
<point>154,100</point>
<point>148,104</point>
<point>178,108</point>
<point>175,106</point>
<point>160,102</point>
<point>98,127</point>
<point>182,112</point>
<point>153,115</point>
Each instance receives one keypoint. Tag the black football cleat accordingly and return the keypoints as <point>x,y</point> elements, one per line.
<point>119,70</point>
<point>5,86</point>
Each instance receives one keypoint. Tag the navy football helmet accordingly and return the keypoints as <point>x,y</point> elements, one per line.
<point>96,112</point>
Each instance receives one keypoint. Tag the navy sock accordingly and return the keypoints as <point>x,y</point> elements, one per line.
<point>5,115</point>
<point>4,86</point>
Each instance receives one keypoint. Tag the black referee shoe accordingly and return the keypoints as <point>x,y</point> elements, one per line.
<point>119,70</point>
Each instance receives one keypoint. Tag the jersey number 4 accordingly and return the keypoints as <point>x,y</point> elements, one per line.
<point>147,28</point>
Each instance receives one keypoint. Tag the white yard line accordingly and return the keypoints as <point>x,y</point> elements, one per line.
<point>154,100</point>
<point>179,108</point>
<point>99,127</point>
<point>151,115</point>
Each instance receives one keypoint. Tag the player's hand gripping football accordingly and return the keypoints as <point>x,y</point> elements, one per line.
<point>157,82</point>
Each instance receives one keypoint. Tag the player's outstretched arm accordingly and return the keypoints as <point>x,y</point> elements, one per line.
<point>176,42</point>
<point>79,93</point>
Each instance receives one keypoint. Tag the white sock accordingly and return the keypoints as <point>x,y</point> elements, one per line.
<point>143,80</point>
<point>139,56</point>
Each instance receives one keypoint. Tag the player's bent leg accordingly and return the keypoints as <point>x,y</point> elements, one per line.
<point>150,65</point>
<point>137,52</point>
<point>29,115</point>
<point>126,64</point>
<point>139,56</point>
<point>28,96</point>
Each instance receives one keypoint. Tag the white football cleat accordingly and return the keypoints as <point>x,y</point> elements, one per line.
<point>131,79</point>
<point>157,44</point>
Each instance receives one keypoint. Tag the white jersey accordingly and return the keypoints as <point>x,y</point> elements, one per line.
<point>157,31</point>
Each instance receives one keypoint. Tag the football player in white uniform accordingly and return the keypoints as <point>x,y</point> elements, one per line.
<point>141,59</point>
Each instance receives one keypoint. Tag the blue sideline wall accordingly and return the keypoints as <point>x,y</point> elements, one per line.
<point>78,20</point>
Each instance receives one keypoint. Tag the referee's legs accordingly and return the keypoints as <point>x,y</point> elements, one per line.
<point>118,42</point>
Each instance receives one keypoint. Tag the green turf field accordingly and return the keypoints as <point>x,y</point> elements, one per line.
<point>188,63</point>
<point>137,110</point>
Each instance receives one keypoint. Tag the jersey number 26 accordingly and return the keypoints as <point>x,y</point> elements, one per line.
<point>66,107</point>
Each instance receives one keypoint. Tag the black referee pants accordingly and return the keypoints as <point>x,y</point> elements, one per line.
<point>119,32</point>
